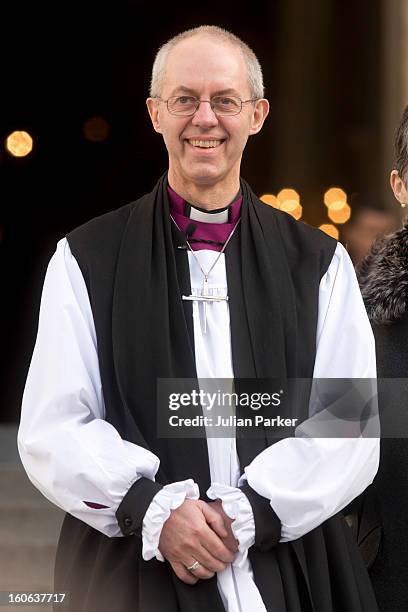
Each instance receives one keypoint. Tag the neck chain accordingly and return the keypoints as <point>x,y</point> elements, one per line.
<point>205,297</point>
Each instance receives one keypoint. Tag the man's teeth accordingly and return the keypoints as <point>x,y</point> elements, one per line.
<point>207,144</point>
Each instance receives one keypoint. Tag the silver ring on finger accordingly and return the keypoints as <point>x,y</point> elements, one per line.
<point>194,566</point>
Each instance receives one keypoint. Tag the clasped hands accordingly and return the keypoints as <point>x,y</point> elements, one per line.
<point>198,531</point>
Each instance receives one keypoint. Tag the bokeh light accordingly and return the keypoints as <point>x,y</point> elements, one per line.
<point>19,144</point>
<point>339,215</point>
<point>292,207</point>
<point>96,129</point>
<point>289,201</point>
<point>330,229</point>
<point>334,194</point>
<point>288,194</point>
<point>337,205</point>
<point>270,199</point>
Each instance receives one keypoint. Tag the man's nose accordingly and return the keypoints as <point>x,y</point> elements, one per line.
<point>205,115</point>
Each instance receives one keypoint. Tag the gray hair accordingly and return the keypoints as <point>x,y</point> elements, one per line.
<point>401,147</point>
<point>255,78</point>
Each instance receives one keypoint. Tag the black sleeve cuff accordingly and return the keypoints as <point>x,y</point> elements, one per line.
<point>267,523</point>
<point>134,505</point>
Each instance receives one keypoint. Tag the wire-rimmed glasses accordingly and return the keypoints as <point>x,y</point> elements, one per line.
<point>222,106</point>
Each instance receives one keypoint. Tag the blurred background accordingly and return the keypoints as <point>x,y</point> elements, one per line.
<point>76,142</point>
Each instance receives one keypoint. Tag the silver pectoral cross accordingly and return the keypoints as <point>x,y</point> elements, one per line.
<point>205,298</point>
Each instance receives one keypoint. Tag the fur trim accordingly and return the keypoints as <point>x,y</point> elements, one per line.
<point>383,278</point>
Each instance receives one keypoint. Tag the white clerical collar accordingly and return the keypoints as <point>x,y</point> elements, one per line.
<point>220,215</point>
<point>198,214</point>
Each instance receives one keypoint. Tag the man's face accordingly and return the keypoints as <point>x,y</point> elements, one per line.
<point>203,67</point>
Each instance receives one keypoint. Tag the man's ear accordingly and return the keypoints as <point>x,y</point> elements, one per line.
<point>259,115</point>
<point>399,188</point>
<point>153,108</point>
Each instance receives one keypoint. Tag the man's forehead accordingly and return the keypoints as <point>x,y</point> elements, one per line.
<point>216,91</point>
<point>198,63</point>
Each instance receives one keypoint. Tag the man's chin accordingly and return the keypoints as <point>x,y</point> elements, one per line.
<point>205,175</point>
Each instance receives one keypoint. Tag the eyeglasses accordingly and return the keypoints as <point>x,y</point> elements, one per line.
<point>185,106</point>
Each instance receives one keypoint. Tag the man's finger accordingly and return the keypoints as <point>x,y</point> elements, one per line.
<point>215,546</point>
<point>214,519</point>
<point>182,573</point>
<point>201,572</point>
<point>207,561</point>
<point>230,541</point>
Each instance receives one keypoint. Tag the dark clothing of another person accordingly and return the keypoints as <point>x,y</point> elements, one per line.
<point>383,278</point>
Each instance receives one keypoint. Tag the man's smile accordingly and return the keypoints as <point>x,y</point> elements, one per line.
<point>205,143</point>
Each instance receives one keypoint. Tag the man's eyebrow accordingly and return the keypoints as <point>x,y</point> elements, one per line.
<point>224,92</point>
<point>220,92</point>
<point>183,89</point>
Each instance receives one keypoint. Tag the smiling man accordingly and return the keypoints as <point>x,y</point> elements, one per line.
<point>196,280</point>
<point>205,142</point>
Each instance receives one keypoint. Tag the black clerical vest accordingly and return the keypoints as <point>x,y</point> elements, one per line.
<point>135,275</point>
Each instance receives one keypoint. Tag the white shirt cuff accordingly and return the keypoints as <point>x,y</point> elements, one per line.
<point>169,498</point>
<point>236,505</point>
